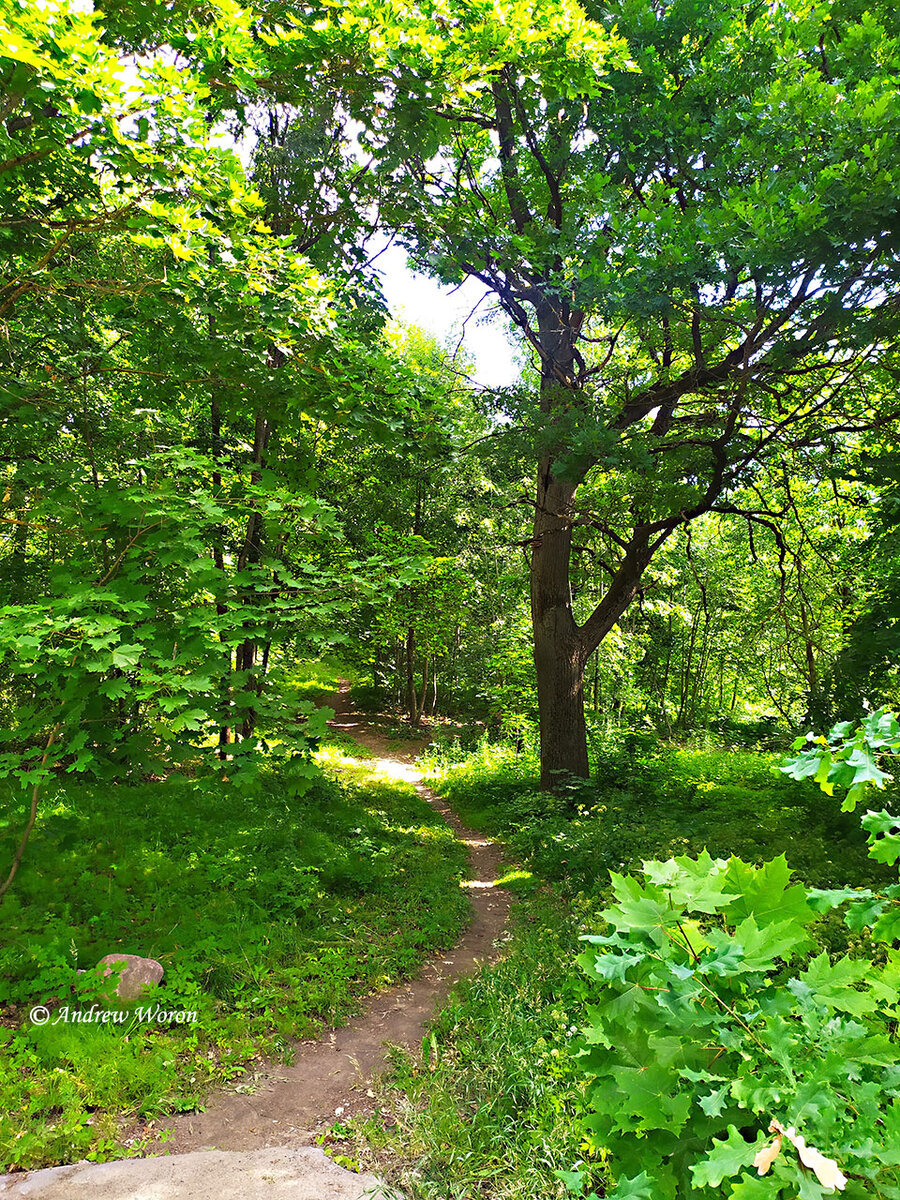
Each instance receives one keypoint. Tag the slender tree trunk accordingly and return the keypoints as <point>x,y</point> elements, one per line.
<point>421,707</point>
<point>399,660</point>
<point>699,683</point>
<point>215,417</point>
<point>251,552</point>
<point>681,720</point>
<point>816,707</point>
<point>664,689</point>
<point>410,674</point>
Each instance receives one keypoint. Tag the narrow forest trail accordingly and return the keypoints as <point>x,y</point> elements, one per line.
<point>332,1073</point>
<point>268,1135</point>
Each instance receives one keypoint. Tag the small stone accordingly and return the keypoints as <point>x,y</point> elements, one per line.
<point>138,976</point>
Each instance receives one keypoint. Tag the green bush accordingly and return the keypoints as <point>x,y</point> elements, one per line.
<point>722,1058</point>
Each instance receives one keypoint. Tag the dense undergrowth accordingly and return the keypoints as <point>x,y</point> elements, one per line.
<point>271,912</point>
<point>494,1109</point>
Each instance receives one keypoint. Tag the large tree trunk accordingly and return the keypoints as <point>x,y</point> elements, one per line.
<point>561,647</point>
<point>559,665</point>
<point>559,653</point>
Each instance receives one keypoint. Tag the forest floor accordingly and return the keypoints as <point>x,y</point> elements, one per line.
<point>287,1108</point>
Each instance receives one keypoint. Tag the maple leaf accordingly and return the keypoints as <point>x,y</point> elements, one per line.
<point>765,893</point>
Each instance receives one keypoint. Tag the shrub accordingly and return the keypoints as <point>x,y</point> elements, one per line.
<point>723,1060</point>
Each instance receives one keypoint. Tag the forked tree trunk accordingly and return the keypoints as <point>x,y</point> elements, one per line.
<point>561,646</point>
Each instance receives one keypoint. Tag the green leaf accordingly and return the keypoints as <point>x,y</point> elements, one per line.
<point>126,656</point>
<point>823,900</point>
<point>752,1187</point>
<point>884,836</point>
<point>765,893</point>
<point>638,1187</point>
<point>832,984</point>
<point>713,1104</point>
<point>726,1158</point>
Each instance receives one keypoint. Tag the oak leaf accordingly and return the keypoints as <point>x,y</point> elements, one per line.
<point>767,1156</point>
<point>825,1169</point>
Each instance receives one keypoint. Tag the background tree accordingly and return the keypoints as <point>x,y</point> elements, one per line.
<point>669,204</point>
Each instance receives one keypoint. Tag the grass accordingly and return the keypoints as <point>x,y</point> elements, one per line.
<point>654,800</point>
<point>492,1110</point>
<point>272,912</point>
<point>312,679</point>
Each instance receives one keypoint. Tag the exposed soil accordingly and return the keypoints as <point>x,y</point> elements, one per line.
<point>330,1078</point>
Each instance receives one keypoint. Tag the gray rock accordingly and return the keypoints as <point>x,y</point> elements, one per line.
<point>276,1174</point>
<point>139,976</point>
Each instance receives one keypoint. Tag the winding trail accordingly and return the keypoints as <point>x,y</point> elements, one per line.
<point>260,1145</point>
<point>329,1077</point>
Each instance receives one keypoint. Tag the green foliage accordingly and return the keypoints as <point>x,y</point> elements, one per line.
<point>847,757</point>
<point>711,1023</point>
<point>714,1028</point>
<point>128,666</point>
<point>652,799</point>
<point>271,912</point>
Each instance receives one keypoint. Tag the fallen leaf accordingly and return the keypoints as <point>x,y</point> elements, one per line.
<point>825,1169</point>
<point>767,1156</point>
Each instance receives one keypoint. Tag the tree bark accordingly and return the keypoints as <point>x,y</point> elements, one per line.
<point>560,652</point>
<point>421,706</point>
<point>410,674</point>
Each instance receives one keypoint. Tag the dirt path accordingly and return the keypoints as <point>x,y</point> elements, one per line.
<point>329,1078</point>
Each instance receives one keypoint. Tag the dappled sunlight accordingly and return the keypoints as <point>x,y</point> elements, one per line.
<point>397,770</point>
<point>479,883</point>
<point>366,765</point>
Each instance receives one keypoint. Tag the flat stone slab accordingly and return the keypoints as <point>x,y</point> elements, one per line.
<point>274,1174</point>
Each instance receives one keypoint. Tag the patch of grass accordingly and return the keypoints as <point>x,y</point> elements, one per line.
<point>654,800</point>
<point>272,913</point>
<point>312,679</point>
<point>339,748</point>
